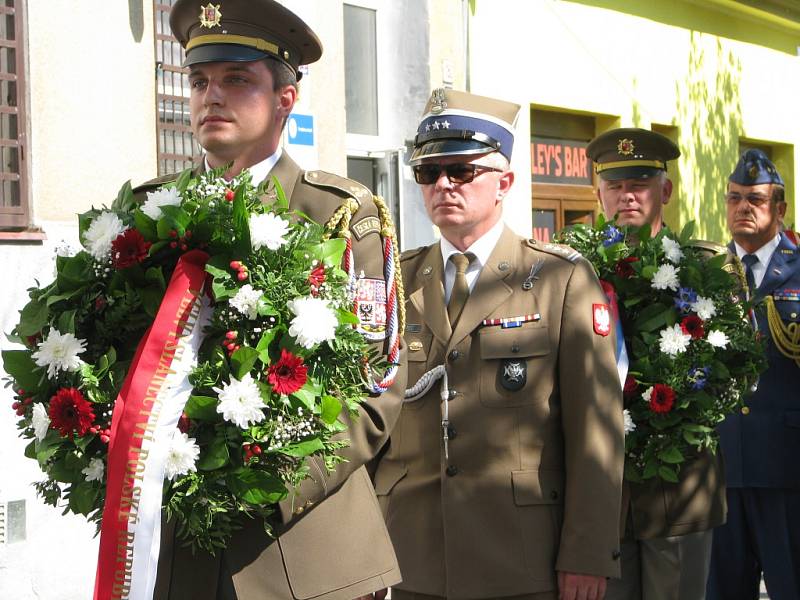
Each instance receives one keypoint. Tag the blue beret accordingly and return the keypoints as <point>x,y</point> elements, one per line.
<point>754,168</point>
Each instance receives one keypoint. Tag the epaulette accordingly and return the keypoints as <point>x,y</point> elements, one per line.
<point>409,254</point>
<point>352,188</point>
<point>154,183</point>
<point>708,246</point>
<point>559,250</point>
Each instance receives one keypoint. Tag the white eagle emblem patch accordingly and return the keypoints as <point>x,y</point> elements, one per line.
<point>602,319</point>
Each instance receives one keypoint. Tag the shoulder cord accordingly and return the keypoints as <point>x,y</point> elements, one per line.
<point>419,389</point>
<point>786,337</point>
<point>339,224</point>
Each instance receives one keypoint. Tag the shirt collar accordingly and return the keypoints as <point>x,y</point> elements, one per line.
<point>261,170</point>
<point>482,247</point>
<point>764,253</point>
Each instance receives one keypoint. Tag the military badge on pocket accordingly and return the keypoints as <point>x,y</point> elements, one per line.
<point>370,308</point>
<point>513,374</point>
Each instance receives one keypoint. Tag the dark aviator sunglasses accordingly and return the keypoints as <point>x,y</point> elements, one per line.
<point>456,172</point>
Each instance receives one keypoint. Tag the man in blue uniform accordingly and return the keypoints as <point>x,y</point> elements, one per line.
<point>761,445</point>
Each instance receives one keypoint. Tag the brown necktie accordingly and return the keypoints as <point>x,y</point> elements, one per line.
<point>460,291</point>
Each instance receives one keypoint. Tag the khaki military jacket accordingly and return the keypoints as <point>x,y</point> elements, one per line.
<point>331,543</point>
<point>533,480</point>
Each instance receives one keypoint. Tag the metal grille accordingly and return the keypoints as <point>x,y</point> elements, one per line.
<point>2,522</point>
<point>176,148</point>
<point>14,204</point>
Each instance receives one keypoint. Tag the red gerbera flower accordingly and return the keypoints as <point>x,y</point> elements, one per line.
<point>662,398</point>
<point>289,374</point>
<point>70,412</point>
<point>624,268</point>
<point>630,387</point>
<point>128,249</point>
<point>693,326</point>
<point>316,278</point>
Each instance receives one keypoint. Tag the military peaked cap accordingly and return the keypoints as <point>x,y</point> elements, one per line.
<point>455,123</point>
<point>243,31</point>
<point>754,168</point>
<point>631,153</point>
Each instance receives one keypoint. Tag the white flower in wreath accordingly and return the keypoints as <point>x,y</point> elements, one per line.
<point>672,250</point>
<point>268,230</point>
<point>40,421</point>
<point>246,301</point>
<point>717,338</point>
<point>314,323</point>
<point>163,197</point>
<point>673,340</point>
<point>666,278</point>
<point>647,393</point>
<point>704,307</point>
<point>181,456</point>
<point>59,352</point>
<point>95,470</point>
<point>240,402</point>
<point>103,230</point>
<point>628,423</point>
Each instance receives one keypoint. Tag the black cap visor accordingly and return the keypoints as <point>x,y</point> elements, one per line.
<point>638,172</point>
<point>222,53</point>
<point>447,147</point>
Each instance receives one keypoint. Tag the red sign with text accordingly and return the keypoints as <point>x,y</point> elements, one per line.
<point>560,161</point>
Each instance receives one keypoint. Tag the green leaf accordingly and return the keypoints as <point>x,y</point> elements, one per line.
<point>179,216</point>
<point>331,408</point>
<point>652,318</point>
<point>125,198</point>
<point>74,272</point>
<point>66,321</point>
<point>650,469</point>
<point>216,456</point>
<point>345,317</point>
<point>281,200</point>
<point>165,225</point>
<point>649,271</point>
<point>155,276</point>
<point>308,394</point>
<point>183,179</point>
<point>263,346</point>
<point>218,273</point>
<point>202,408</point>
<point>304,448</point>
<point>61,472</point>
<point>686,233</point>
<point>145,225</point>
<point>256,487</point>
<point>691,438</point>
<point>241,224</point>
<point>331,251</point>
<point>32,318</point>
<point>671,455</point>
<point>52,299</point>
<point>30,450</point>
<point>20,365</point>
<point>243,360</point>
<point>82,497</point>
<point>151,299</point>
<point>668,474</point>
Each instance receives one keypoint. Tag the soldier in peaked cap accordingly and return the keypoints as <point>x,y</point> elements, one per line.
<point>331,542</point>
<point>666,527</point>
<point>761,444</point>
<point>503,477</point>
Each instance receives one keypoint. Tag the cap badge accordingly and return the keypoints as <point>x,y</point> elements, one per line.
<point>753,172</point>
<point>210,15</point>
<point>625,147</point>
<point>438,103</point>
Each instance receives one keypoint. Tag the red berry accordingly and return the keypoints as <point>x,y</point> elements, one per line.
<point>93,429</point>
<point>256,449</point>
<point>229,195</point>
<point>21,411</point>
<point>173,233</point>
<point>27,401</point>
<point>241,275</point>
<point>230,346</point>
<point>15,405</point>
<point>236,265</point>
<point>105,439</point>
<point>231,335</point>
<point>184,247</point>
<point>188,234</point>
<point>21,392</point>
<point>173,244</point>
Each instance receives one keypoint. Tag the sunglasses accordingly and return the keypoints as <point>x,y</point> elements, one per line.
<point>754,200</point>
<point>456,172</point>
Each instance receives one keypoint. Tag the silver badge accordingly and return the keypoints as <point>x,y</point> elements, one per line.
<point>438,103</point>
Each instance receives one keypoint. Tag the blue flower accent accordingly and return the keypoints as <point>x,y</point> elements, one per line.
<point>612,235</point>
<point>685,298</point>
<point>698,376</point>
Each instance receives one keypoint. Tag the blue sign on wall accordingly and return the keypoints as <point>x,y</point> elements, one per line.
<point>301,129</point>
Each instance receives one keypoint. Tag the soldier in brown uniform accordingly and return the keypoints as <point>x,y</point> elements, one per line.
<point>331,541</point>
<point>503,476</point>
<point>667,528</point>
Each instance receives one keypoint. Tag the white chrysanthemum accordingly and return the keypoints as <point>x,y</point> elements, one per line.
<point>240,402</point>
<point>163,197</point>
<point>181,456</point>
<point>40,421</point>
<point>673,340</point>
<point>59,353</point>
<point>666,278</point>
<point>647,393</point>
<point>267,230</point>
<point>103,230</point>
<point>629,425</point>
<point>672,250</point>
<point>315,321</point>
<point>717,338</point>
<point>95,470</point>
<point>246,301</point>
<point>704,307</point>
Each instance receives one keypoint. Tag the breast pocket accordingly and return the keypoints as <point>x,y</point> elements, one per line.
<point>516,365</point>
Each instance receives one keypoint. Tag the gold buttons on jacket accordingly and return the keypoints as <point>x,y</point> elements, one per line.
<point>745,410</point>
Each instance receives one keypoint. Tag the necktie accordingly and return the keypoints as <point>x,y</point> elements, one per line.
<point>460,291</point>
<point>749,260</point>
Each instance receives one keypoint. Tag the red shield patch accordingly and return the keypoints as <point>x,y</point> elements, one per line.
<point>601,315</point>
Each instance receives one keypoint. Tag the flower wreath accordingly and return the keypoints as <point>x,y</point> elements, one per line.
<point>693,356</point>
<point>280,360</point>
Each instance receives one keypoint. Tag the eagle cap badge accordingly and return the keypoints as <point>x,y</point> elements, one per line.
<point>210,15</point>
<point>438,102</point>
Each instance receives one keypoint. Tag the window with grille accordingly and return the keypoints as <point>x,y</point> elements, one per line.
<point>14,201</point>
<point>176,146</point>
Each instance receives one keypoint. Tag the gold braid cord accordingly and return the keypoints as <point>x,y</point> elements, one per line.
<point>735,267</point>
<point>786,337</point>
<point>339,223</point>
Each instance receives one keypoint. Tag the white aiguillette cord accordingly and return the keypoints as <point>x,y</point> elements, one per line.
<point>423,385</point>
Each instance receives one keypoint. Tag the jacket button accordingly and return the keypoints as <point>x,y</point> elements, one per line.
<point>615,555</point>
<point>451,432</point>
<point>515,348</point>
<point>745,410</point>
<point>451,470</point>
<point>454,355</point>
<point>453,394</point>
<point>554,495</point>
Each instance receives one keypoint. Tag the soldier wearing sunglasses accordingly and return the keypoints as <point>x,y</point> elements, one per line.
<point>503,476</point>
